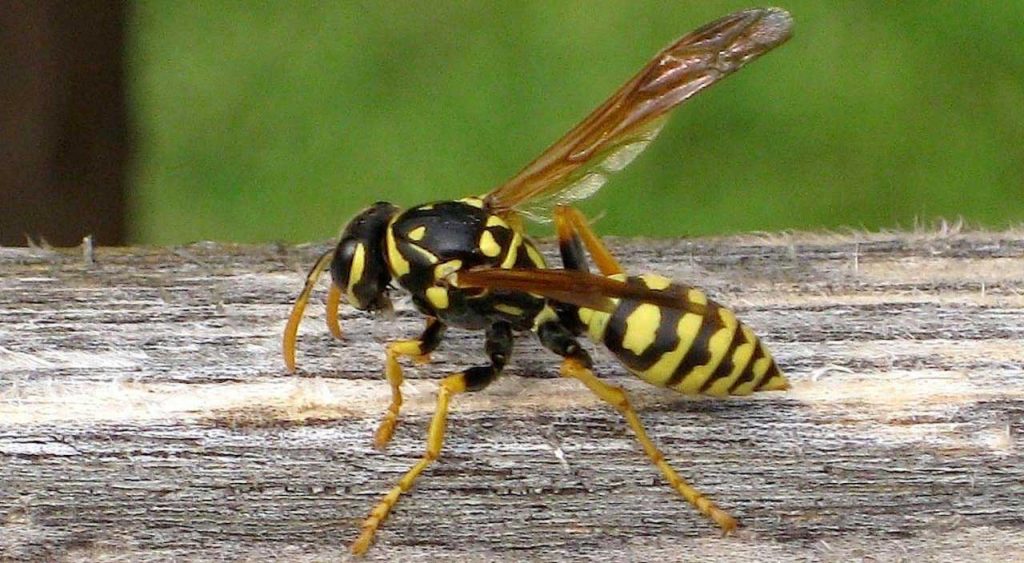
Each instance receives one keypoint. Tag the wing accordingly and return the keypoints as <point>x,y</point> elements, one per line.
<point>578,288</point>
<point>608,139</point>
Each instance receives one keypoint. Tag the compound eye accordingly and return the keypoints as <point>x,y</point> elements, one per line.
<point>341,265</point>
<point>359,274</point>
<point>359,269</point>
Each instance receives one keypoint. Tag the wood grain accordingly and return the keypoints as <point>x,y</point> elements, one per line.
<point>145,414</point>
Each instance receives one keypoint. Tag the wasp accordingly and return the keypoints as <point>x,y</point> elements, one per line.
<point>449,256</point>
<point>668,334</point>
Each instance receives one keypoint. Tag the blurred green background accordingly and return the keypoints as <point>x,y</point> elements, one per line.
<point>279,120</point>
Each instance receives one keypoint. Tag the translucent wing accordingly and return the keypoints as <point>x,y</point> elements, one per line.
<point>608,139</point>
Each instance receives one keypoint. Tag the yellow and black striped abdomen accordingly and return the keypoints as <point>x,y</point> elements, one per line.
<point>698,347</point>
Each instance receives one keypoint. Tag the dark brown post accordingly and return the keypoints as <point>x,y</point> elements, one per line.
<point>63,124</point>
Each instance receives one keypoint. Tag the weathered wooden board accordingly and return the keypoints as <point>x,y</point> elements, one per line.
<point>145,414</point>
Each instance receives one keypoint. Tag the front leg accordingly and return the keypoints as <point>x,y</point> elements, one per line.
<point>499,348</point>
<point>419,349</point>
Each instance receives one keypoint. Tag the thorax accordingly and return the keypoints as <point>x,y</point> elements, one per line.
<point>427,243</point>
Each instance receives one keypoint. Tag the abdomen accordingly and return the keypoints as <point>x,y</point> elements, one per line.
<point>699,347</point>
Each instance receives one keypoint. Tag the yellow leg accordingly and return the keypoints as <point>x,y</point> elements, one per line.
<point>451,385</point>
<point>393,371</point>
<point>419,350</point>
<point>617,397</point>
<point>569,223</point>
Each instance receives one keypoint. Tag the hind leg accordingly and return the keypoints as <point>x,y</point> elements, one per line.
<point>573,234</point>
<point>616,397</point>
<point>577,365</point>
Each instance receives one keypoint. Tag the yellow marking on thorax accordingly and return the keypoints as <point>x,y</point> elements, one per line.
<point>417,233</point>
<point>513,251</point>
<point>718,345</point>
<point>656,282</point>
<point>488,245</point>
<point>740,359</point>
<point>438,297</point>
<point>659,373</point>
<point>398,264</point>
<point>445,269</point>
<point>641,328</point>
<point>473,201</point>
<point>495,221</point>
<point>534,255</point>
<point>428,255</point>
<point>509,309</point>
